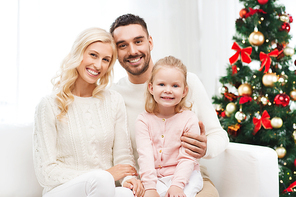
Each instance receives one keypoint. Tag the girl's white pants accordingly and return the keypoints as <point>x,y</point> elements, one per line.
<point>191,189</point>
<point>97,183</point>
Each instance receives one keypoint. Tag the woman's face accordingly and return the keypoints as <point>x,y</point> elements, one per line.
<point>95,63</point>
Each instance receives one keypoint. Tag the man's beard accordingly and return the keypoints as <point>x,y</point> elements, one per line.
<point>137,72</point>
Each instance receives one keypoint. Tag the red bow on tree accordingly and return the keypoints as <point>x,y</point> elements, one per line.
<point>254,11</point>
<point>291,188</point>
<point>245,99</point>
<point>266,60</point>
<point>245,54</point>
<point>264,121</point>
<point>234,69</point>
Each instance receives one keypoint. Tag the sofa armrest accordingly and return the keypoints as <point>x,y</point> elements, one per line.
<point>16,166</point>
<point>244,170</point>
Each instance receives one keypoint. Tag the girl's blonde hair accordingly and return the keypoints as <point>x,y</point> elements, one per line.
<point>171,62</point>
<point>64,82</point>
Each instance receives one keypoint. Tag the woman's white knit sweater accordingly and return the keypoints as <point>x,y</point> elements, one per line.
<point>93,135</point>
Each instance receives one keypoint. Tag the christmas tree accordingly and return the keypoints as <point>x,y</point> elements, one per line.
<point>256,105</point>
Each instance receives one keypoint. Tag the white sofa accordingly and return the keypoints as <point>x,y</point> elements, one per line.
<point>240,171</point>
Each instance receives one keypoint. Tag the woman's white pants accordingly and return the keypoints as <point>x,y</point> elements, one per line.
<point>97,183</point>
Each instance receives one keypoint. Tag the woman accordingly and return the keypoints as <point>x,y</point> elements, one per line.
<point>81,143</point>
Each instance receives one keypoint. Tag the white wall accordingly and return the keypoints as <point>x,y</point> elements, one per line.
<point>36,35</point>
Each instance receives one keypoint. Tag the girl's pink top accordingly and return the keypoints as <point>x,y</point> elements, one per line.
<point>159,147</point>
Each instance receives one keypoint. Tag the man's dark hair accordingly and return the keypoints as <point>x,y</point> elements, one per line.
<point>128,19</point>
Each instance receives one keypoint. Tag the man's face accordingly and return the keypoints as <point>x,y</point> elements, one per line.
<point>133,48</point>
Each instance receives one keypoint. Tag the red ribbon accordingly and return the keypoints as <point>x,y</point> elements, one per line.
<point>245,99</point>
<point>290,188</point>
<point>245,54</point>
<point>234,69</point>
<point>264,121</point>
<point>254,11</point>
<point>266,60</point>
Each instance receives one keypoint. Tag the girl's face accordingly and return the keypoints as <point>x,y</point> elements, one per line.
<point>95,63</point>
<point>168,87</point>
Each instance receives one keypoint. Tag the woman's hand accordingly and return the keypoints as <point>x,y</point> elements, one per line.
<point>195,145</point>
<point>122,170</point>
<point>175,191</point>
<point>151,193</point>
<point>135,185</point>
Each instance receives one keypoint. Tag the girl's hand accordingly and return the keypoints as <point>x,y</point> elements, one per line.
<point>175,191</point>
<point>122,170</point>
<point>135,185</point>
<point>196,145</point>
<point>151,193</point>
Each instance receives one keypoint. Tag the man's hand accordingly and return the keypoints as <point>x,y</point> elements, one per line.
<point>151,193</point>
<point>175,191</point>
<point>135,185</point>
<point>122,170</point>
<point>195,145</point>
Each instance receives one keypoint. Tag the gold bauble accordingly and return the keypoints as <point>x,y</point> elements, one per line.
<point>240,116</point>
<point>218,107</point>
<point>294,136</point>
<point>281,152</point>
<point>264,100</point>
<point>293,95</point>
<point>283,79</point>
<point>276,122</point>
<point>230,108</point>
<point>284,18</point>
<point>223,89</point>
<point>269,79</point>
<point>245,89</point>
<point>256,38</point>
<point>289,51</point>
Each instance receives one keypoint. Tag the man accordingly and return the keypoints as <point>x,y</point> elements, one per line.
<point>134,45</point>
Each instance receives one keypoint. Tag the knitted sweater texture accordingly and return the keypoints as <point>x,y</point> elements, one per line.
<point>93,135</point>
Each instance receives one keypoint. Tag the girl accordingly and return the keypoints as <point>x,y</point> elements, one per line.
<point>165,168</point>
<point>80,130</point>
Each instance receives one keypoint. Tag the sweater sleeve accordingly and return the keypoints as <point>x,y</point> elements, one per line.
<point>122,150</point>
<point>48,171</point>
<point>217,138</point>
<point>186,163</point>
<point>145,151</point>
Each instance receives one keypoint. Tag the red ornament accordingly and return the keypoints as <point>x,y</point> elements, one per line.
<point>295,62</point>
<point>243,12</point>
<point>282,99</point>
<point>295,162</point>
<point>290,18</point>
<point>262,2</point>
<point>285,27</point>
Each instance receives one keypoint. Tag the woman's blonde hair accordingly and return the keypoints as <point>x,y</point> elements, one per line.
<point>171,62</point>
<point>64,82</point>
